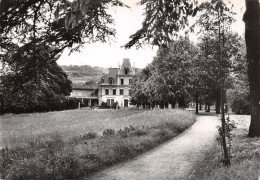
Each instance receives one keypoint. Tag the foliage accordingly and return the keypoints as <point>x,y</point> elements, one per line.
<point>162,20</point>
<point>138,92</point>
<point>108,132</point>
<point>59,23</point>
<point>218,46</point>
<point>51,157</point>
<point>169,78</point>
<point>32,81</point>
<point>104,105</point>
<point>229,127</point>
<point>239,101</point>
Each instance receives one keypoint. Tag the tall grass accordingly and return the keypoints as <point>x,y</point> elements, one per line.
<point>50,156</point>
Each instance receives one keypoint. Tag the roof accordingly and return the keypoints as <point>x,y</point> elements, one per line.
<point>84,87</point>
<point>126,65</point>
<point>112,73</point>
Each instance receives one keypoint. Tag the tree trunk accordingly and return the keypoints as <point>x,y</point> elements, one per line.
<point>197,102</point>
<point>173,104</point>
<point>1,105</point>
<point>252,30</point>
<point>181,102</point>
<point>218,100</point>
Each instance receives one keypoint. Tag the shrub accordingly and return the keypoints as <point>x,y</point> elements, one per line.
<point>108,132</point>
<point>57,103</point>
<point>90,135</point>
<point>104,106</point>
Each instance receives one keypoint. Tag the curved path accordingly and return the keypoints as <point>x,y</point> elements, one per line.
<point>175,159</point>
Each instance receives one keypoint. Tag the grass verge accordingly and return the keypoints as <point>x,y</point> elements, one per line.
<point>245,161</point>
<point>49,156</point>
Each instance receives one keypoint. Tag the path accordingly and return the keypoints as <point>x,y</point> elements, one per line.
<point>173,160</point>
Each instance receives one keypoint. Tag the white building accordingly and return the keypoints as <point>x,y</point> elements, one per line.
<point>114,86</point>
<point>87,94</point>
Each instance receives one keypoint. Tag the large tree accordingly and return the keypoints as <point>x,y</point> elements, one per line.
<point>252,36</point>
<point>32,80</point>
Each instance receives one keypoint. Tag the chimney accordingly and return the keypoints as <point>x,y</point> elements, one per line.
<point>119,67</point>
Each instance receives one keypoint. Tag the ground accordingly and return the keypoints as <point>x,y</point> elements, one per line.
<point>74,144</point>
<point>176,159</point>
<point>192,155</point>
<point>245,156</point>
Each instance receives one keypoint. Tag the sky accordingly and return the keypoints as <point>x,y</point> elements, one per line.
<point>127,22</point>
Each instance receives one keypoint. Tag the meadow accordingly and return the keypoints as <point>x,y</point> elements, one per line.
<point>245,160</point>
<point>76,143</point>
<point>19,128</point>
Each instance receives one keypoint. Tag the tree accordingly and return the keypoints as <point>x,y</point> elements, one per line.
<point>174,72</point>
<point>214,19</point>
<point>138,91</point>
<point>170,78</point>
<point>60,23</point>
<point>163,19</point>
<point>32,80</point>
<point>252,30</point>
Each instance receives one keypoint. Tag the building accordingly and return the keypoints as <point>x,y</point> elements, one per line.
<point>87,94</point>
<point>114,86</point>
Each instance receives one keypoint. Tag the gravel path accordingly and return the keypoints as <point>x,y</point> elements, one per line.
<point>175,159</point>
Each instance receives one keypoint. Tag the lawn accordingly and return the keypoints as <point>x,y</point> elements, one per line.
<point>74,144</point>
<point>18,128</point>
<point>245,161</point>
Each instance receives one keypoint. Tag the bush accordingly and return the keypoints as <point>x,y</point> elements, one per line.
<point>239,101</point>
<point>90,135</point>
<point>104,106</point>
<point>53,104</point>
<point>108,132</point>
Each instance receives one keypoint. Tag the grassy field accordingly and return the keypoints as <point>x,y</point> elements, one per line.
<point>72,144</point>
<point>245,162</point>
<point>18,128</point>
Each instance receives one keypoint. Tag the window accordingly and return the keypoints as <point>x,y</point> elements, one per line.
<point>106,91</point>
<point>122,81</point>
<point>111,80</point>
<point>114,91</point>
<point>102,80</point>
<point>126,71</point>
<point>121,91</point>
<point>130,81</point>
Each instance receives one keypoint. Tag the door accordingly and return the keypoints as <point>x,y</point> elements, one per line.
<point>126,103</point>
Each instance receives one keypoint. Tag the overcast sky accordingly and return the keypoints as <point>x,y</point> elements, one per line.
<point>127,22</point>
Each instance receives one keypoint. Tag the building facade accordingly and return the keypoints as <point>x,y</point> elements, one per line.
<point>86,94</point>
<point>114,86</point>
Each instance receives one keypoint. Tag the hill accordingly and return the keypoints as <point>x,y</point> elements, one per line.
<point>80,75</point>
